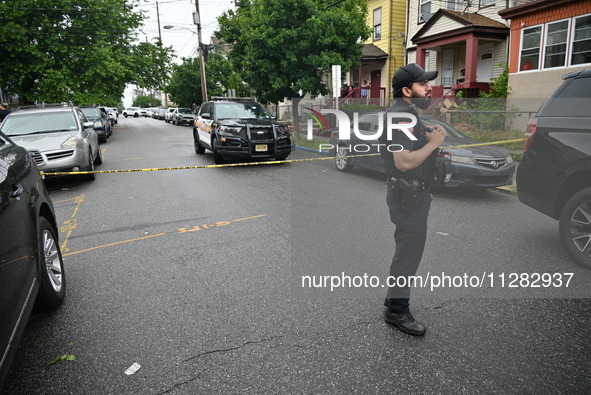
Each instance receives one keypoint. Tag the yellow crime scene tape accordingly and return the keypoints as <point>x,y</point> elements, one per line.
<point>274,162</point>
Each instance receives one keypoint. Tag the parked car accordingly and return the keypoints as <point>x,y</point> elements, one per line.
<point>101,120</point>
<point>160,113</point>
<point>59,138</point>
<point>181,116</point>
<point>132,112</point>
<point>113,115</point>
<point>168,114</point>
<point>240,129</point>
<point>554,176</point>
<point>31,266</point>
<point>143,112</point>
<point>471,167</point>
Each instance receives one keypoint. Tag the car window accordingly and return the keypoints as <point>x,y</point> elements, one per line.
<point>185,111</point>
<point>240,111</point>
<point>91,112</point>
<point>31,123</point>
<point>574,100</point>
<point>205,108</point>
<point>82,117</point>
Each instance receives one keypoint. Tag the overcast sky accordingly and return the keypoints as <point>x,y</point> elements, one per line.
<point>179,13</point>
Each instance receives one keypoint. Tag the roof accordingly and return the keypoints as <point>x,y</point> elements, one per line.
<point>470,21</point>
<point>371,51</point>
<point>531,7</point>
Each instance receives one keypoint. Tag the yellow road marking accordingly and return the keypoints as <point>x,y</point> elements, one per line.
<point>113,244</point>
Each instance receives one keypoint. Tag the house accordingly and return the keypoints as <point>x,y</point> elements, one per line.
<point>383,52</point>
<point>465,40</point>
<point>548,39</point>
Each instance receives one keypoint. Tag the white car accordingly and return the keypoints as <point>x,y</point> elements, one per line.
<point>168,115</point>
<point>132,112</point>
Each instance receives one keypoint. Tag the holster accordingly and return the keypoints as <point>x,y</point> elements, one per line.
<point>407,193</point>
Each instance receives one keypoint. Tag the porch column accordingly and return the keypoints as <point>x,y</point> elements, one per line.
<point>420,56</point>
<point>471,58</point>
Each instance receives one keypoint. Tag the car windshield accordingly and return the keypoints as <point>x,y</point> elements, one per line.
<point>185,111</point>
<point>91,112</point>
<point>240,111</point>
<point>32,123</point>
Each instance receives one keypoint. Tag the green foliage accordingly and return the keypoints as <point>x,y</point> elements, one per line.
<point>66,357</point>
<point>282,47</point>
<point>499,86</point>
<point>146,102</point>
<point>185,84</point>
<point>82,51</point>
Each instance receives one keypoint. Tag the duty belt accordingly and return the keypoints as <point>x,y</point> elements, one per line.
<point>422,185</point>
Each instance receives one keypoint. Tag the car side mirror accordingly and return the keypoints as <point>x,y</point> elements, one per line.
<point>274,116</point>
<point>88,125</point>
<point>206,115</point>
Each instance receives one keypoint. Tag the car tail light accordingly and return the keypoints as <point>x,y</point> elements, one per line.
<point>529,133</point>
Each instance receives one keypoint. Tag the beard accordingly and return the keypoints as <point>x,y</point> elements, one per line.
<point>421,102</point>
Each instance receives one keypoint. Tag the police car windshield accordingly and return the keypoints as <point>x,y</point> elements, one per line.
<point>240,111</point>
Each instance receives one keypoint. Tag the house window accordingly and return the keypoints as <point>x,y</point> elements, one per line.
<point>556,38</point>
<point>530,49</point>
<point>450,4</point>
<point>427,61</point>
<point>424,11</point>
<point>581,50</point>
<point>484,3</point>
<point>377,23</point>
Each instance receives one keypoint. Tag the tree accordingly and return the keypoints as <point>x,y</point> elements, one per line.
<point>146,101</point>
<point>185,83</point>
<point>282,47</point>
<point>74,50</point>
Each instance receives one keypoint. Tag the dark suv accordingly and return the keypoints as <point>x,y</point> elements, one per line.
<point>240,129</point>
<point>31,266</point>
<point>555,174</point>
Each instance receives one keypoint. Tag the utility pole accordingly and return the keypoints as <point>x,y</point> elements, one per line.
<point>197,21</point>
<point>160,36</point>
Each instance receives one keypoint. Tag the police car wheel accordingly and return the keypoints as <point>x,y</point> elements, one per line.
<point>342,163</point>
<point>199,149</point>
<point>575,227</point>
<point>217,157</point>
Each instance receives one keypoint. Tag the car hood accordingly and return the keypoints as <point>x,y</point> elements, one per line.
<point>43,142</point>
<point>486,151</point>
<point>247,121</point>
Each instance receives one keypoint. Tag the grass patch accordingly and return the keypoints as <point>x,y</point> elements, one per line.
<point>302,141</point>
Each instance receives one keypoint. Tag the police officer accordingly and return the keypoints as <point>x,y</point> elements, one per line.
<point>410,173</point>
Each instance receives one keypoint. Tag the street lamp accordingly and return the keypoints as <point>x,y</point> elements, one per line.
<point>201,58</point>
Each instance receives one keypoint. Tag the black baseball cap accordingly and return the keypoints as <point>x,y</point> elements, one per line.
<point>410,73</point>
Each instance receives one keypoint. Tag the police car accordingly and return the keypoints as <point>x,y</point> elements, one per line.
<point>239,128</point>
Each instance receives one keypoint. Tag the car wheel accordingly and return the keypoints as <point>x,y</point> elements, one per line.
<point>575,227</point>
<point>342,163</point>
<point>52,286</point>
<point>199,149</point>
<point>90,167</point>
<point>99,156</point>
<point>125,115</point>
<point>217,157</point>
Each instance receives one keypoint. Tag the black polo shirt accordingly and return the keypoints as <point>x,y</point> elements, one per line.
<point>400,138</point>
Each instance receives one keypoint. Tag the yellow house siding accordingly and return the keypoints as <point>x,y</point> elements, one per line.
<point>393,20</point>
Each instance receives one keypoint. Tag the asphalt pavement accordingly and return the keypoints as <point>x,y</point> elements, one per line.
<point>196,275</point>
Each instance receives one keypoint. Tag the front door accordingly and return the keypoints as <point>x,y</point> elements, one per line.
<point>485,60</point>
<point>376,85</point>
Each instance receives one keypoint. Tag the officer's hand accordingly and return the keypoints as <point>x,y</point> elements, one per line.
<point>437,135</point>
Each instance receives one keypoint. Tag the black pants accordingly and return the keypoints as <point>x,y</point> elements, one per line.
<point>410,236</point>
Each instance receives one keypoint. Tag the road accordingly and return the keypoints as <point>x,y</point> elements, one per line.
<point>196,275</point>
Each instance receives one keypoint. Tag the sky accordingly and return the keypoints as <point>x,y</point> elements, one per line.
<point>183,37</point>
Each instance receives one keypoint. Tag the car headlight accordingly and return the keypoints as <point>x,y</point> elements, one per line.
<point>509,160</point>
<point>70,143</point>
<point>98,124</point>
<point>229,131</point>
<point>462,159</point>
<point>282,129</point>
